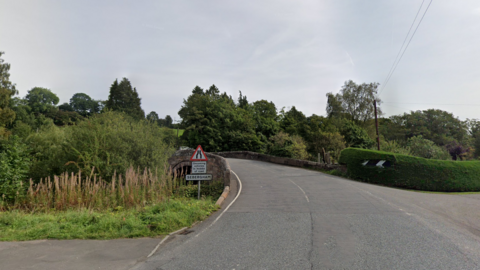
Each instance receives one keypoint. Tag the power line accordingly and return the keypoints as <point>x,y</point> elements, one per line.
<point>399,51</point>
<point>432,104</point>
<point>396,64</point>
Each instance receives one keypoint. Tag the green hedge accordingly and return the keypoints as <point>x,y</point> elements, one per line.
<point>412,172</point>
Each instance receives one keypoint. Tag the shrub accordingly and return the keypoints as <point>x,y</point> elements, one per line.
<point>412,172</point>
<point>394,147</point>
<point>14,163</point>
<point>112,141</point>
<point>355,136</point>
<point>285,145</point>
<point>422,147</point>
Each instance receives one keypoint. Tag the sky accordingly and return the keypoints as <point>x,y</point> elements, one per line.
<point>288,52</point>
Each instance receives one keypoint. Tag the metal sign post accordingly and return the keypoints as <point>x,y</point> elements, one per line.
<point>199,168</point>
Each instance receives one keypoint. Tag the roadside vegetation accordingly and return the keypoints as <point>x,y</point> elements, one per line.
<point>90,169</point>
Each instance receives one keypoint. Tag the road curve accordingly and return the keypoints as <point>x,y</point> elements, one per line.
<point>291,218</point>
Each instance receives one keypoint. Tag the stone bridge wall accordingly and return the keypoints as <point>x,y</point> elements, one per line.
<point>216,165</point>
<point>281,160</point>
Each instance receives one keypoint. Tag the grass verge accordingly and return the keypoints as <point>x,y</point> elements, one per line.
<point>149,221</point>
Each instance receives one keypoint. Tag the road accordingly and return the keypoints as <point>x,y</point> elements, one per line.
<point>292,218</point>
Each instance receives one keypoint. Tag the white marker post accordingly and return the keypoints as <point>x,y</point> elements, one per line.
<point>199,168</point>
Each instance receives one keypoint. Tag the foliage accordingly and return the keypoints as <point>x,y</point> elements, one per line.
<point>438,126</point>
<point>393,147</point>
<point>412,172</point>
<point>331,142</point>
<point>41,100</point>
<point>456,150</point>
<point>84,105</point>
<point>424,148</point>
<point>14,165</point>
<point>112,142</point>
<point>214,121</point>
<point>153,117</point>
<point>355,101</point>
<point>291,146</point>
<point>7,91</point>
<point>265,117</point>
<point>355,136</point>
<point>148,221</point>
<point>292,121</point>
<point>124,98</point>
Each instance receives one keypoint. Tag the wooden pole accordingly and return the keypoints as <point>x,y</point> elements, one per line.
<point>376,124</point>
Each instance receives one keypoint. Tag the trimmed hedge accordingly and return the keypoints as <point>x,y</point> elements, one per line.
<point>412,172</point>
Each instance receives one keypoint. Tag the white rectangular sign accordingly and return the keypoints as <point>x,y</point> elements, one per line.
<point>199,167</point>
<point>198,177</point>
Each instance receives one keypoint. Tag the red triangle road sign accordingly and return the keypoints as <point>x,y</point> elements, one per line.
<point>199,155</point>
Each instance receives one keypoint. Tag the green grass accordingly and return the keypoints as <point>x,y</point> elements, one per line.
<point>180,132</point>
<point>147,221</point>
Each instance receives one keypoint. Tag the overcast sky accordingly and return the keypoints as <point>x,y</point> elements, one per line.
<point>288,52</point>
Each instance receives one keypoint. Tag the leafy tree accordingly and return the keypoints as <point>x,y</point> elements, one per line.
<point>65,107</point>
<point>422,147</point>
<point>435,125</point>
<point>41,100</point>
<point>214,121</point>
<point>331,142</point>
<point>168,121</point>
<point>124,98</point>
<point>293,121</point>
<point>152,117</point>
<point>7,91</point>
<point>457,150</point>
<point>355,101</point>
<point>355,136</point>
<point>265,117</point>
<point>291,146</point>
<point>477,145</point>
<point>84,105</point>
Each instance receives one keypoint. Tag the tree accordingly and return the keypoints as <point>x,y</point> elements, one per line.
<point>125,99</point>
<point>7,91</point>
<point>265,116</point>
<point>355,136</point>
<point>355,101</point>
<point>41,100</point>
<point>153,117</point>
<point>422,147</point>
<point>168,121</point>
<point>293,121</point>
<point>84,105</point>
<point>242,101</point>
<point>65,107</point>
<point>214,121</point>
<point>436,125</point>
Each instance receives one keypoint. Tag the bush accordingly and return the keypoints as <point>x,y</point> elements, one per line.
<point>412,172</point>
<point>422,147</point>
<point>394,147</point>
<point>108,142</point>
<point>355,136</point>
<point>285,145</point>
<point>14,163</point>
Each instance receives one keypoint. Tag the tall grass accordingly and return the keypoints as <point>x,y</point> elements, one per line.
<point>71,191</point>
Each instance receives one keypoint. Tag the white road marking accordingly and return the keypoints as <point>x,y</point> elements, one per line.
<point>219,216</point>
<point>306,197</point>
<point>163,240</point>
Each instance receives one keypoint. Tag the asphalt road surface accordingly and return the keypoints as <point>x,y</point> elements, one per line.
<point>292,218</point>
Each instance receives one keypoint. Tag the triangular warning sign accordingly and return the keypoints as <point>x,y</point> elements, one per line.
<point>199,155</point>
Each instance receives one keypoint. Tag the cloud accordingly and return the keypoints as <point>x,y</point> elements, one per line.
<point>350,58</point>
<point>476,11</point>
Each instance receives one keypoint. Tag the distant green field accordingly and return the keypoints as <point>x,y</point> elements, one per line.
<point>180,132</point>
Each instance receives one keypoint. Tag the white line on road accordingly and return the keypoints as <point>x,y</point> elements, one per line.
<point>163,240</point>
<point>219,216</point>
<point>306,197</point>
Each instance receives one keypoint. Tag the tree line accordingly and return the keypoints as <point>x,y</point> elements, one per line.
<point>220,123</point>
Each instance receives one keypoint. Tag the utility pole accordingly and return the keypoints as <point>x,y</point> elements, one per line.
<point>376,124</point>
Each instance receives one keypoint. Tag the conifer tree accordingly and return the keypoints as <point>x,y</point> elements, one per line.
<point>123,97</point>
<point>7,90</point>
